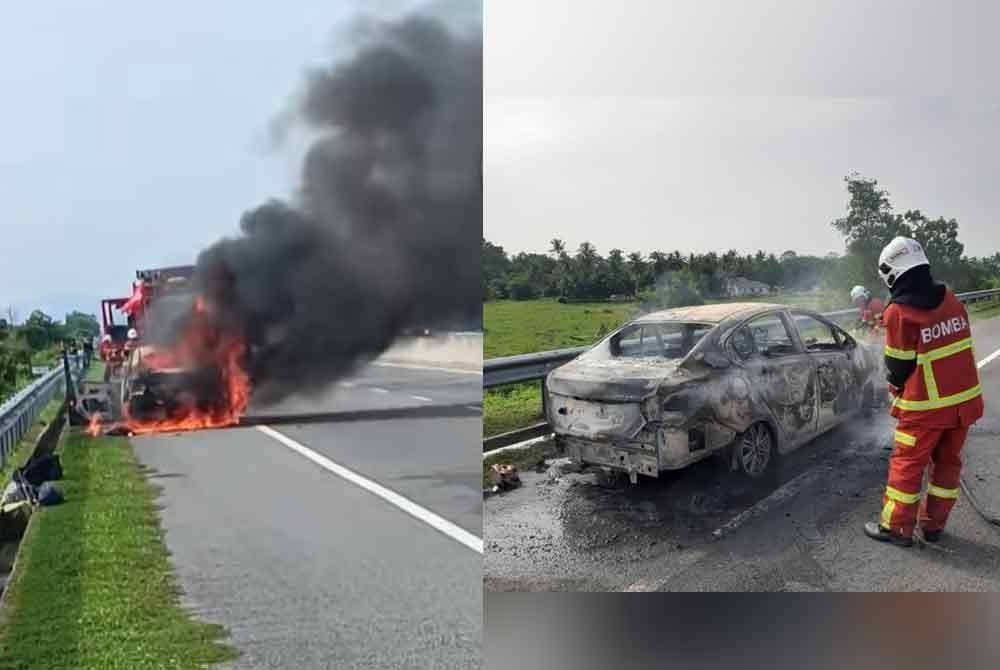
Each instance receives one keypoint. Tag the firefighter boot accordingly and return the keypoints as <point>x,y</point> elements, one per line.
<point>932,535</point>
<point>876,531</point>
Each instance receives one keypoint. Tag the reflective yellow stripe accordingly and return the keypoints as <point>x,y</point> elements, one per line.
<point>929,381</point>
<point>899,496</point>
<point>903,438</point>
<point>947,350</point>
<point>946,401</point>
<point>951,494</point>
<point>901,354</point>
<point>925,360</point>
<point>887,511</point>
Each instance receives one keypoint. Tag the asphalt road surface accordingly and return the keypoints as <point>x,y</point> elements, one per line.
<point>706,530</point>
<point>285,534</point>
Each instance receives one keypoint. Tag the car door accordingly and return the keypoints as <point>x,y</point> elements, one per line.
<point>781,371</point>
<point>834,374</point>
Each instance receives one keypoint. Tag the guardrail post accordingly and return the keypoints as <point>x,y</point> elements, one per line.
<point>541,386</point>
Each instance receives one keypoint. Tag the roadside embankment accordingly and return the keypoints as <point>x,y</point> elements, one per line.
<point>93,586</point>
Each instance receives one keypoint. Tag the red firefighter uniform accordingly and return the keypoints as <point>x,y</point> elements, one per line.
<point>940,399</point>
<point>871,314</point>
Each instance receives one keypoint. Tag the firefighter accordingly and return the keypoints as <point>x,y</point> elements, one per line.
<point>131,341</point>
<point>936,395</point>
<point>870,308</point>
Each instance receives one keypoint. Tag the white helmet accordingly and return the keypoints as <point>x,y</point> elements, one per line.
<point>899,256</point>
<point>133,334</point>
<point>859,293</point>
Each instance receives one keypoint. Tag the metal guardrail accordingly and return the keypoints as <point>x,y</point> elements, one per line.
<point>533,367</point>
<point>20,411</point>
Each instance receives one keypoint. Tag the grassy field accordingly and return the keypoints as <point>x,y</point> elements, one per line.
<point>511,407</point>
<point>93,586</point>
<point>986,309</point>
<point>520,327</point>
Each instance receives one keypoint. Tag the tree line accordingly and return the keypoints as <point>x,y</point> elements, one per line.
<point>37,341</point>
<point>677,278</point>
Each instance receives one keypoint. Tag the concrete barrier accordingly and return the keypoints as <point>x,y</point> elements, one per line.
<point>462,351</point>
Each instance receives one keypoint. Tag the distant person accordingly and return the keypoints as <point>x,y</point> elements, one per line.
<point>936,395</point>
<point>131,340</point>
<point>870,309</point>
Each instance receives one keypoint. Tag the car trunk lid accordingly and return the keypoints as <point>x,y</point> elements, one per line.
<point>617,380</point>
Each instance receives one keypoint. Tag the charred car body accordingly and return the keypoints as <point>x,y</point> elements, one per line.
<point>747,381</point>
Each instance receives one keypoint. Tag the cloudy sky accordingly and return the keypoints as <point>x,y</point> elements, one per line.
<point>713,125</point>
<point>134,134</point>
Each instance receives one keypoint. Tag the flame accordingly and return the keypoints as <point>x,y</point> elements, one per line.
<point>94,427</point>
<point>200,346</point>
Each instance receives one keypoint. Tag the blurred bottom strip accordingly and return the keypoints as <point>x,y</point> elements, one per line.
<point>580,631</point>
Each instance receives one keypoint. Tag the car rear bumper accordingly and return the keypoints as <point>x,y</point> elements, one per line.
<point>639,459</point>
<point>674,449</point>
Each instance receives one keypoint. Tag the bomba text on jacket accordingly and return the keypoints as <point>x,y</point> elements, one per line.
<point>947,327</point>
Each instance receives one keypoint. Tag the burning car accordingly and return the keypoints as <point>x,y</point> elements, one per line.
<point>746,381</point>
<point>179,370</point>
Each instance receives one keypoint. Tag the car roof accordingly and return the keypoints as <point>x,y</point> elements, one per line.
<point>716,313</point>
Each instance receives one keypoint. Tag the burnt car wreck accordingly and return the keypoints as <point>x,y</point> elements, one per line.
<point>745,381</point>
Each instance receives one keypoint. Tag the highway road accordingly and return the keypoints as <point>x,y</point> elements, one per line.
<point>702,529</point>
<point>352,540</point>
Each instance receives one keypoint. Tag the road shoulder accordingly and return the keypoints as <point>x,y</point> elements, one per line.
<point>94,587</point>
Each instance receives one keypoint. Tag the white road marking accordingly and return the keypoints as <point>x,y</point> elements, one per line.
<point>460,371</point>
<point>422,398</point>
<point>347,385</point>
<point>474,408</point>
<point>519,445</point>
<point>418,512</point>
<point>376,389</point>
<point>783,492</point>
<point>989,358</point>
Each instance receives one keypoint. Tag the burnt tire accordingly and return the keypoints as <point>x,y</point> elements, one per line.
<point>756,452</point>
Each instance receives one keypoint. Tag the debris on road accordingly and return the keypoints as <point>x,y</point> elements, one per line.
<point>563,466</point>
<point>504,477</point>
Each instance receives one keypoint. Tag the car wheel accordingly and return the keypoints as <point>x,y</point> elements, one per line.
<point>755,451</point>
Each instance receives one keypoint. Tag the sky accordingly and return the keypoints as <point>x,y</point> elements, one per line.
<point>712,125</point>
<point>132,135</point>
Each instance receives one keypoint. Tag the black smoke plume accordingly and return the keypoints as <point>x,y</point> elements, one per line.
<point>384,232</point>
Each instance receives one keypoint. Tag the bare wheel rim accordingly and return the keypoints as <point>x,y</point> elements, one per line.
<point>755,450</point>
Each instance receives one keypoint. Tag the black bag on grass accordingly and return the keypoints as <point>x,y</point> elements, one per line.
<point>45,468</point>
<point>49,494</point>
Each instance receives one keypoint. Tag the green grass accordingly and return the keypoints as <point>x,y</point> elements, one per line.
<point>93,586</point>
<point>522,459</point>
<point>511,407</point>
<point>520,327</point>
<point>95,373</point>
<point>23,449</point>
<point>984,310</point>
